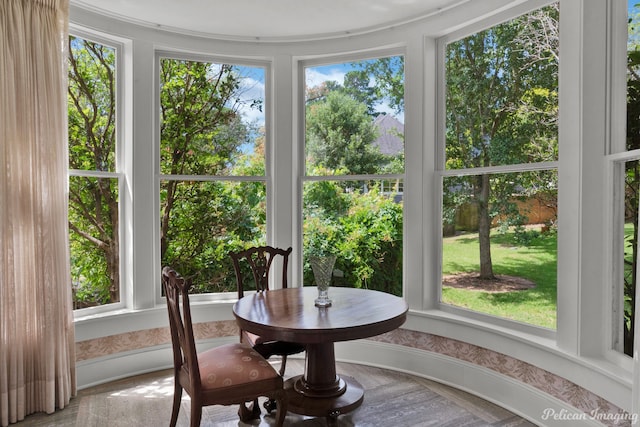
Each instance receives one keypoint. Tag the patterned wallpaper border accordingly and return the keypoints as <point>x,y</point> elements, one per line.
<point>554,385</point>
<point>136,340</point>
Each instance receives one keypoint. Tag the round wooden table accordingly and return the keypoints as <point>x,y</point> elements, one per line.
<point>291,315</point>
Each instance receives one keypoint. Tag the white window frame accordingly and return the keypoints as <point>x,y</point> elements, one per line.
<point>615,158</point>
<point>266,179</point>
<point>304,178</point>
<point>441,172</point>
<point>122,49</point>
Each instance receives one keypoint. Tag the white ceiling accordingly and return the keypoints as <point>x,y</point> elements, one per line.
<point>268,19</point>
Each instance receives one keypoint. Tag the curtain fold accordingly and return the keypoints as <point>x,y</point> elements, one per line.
<point>37,360</point>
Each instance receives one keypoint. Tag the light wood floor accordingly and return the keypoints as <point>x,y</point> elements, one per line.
<point>391,399</point>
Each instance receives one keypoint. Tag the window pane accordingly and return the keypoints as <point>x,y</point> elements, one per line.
<point>502,94</point>
<point>362,226</point>
<point>212,121</point>
<point>507,269</point>
<point>94,240</point>
<point>354,126</point>
<point>203,221</point>
<point>93,201</point>
<point>354,118</point>
<point>212,125</point>
<point>92,107</point>
<point>626,293</point>
<point>624,290</point>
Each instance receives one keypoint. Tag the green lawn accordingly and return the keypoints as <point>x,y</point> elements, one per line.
<point>536,261</point>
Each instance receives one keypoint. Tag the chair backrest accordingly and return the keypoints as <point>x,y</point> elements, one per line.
<point>176,288</point>
<point>259,259</point>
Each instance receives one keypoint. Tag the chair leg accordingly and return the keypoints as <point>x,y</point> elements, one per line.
<point>196,414</point>
<point>250,413</point>
<point>281,413</point>
<point>271,404</point>
<point>177,398</point>
<point>283,365</point>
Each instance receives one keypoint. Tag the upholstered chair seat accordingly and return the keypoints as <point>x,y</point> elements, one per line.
<point>235,364</point>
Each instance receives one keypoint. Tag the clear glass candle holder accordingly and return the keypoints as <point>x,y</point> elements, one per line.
<point>322,267</point>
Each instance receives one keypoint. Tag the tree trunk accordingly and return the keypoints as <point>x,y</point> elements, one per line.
<point>166,215</point>
<point>484,227</point>
<point>113,269</point>
<point>112,254</point>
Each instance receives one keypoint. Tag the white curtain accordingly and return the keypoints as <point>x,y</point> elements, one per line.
<point>37,366</point>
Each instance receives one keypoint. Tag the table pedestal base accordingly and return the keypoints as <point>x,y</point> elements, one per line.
<point>331,405</point>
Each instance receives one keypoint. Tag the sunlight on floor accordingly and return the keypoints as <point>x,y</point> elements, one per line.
<point>159,389</point>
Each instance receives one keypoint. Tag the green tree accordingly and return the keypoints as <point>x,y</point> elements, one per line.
<point>501,97</point>
<point>93,202</point>
<point>388,78</point>
<point>340,134</point>
<point>371,82</point>
<point>357,85</point>
<point>193,103</point>
<point>202,133</point>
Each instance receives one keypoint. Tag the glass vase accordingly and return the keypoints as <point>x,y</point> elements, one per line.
<point>322,267</point>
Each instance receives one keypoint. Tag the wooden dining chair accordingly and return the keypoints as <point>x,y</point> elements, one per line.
<point>225,375</point>
<point>260,260</point>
